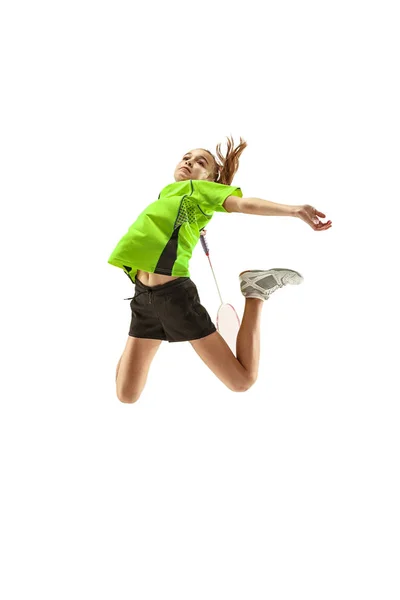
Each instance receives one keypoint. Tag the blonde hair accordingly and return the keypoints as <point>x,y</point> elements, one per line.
<point>225,170</point>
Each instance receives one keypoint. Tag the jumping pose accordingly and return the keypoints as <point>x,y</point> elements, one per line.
<point>155,254</point>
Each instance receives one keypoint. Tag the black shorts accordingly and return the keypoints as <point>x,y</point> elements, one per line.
<point>171,312</point>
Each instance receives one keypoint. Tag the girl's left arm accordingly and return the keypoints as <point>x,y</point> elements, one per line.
<point>305,212</point>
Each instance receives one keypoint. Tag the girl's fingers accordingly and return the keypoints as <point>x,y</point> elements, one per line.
<point>315,223</point>
<point>319,226</point>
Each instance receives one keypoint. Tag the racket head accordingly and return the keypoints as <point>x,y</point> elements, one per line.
<point>228,324</point>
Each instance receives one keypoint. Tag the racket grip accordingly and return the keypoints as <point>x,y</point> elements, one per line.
<point>204,244</point>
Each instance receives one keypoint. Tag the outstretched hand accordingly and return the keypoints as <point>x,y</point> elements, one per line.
<point>310,215</point>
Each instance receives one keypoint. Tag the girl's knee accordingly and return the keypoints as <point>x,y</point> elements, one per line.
<point>245,385</point>
<point>126,399</point>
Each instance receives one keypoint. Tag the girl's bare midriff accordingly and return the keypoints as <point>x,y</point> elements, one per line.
<point>151,279</point>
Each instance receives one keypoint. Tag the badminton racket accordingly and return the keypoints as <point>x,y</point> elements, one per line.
<point>228,322</point>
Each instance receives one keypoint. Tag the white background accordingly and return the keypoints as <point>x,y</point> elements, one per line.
<point>291,489</point>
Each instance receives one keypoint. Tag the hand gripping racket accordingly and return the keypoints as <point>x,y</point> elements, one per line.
<point>228,322</point>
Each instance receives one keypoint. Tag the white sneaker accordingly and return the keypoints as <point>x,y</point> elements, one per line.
<point>261,284</point>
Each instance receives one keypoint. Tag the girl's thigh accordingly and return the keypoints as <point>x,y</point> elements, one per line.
<point>134,367</point>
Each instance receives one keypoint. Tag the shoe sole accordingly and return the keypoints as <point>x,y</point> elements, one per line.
<point>291,277</point>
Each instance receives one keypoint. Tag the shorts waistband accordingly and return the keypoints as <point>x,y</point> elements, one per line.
<point>158,288</point>
<point>162,286</point>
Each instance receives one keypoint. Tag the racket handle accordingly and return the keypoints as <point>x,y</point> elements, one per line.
<point>204,244</point>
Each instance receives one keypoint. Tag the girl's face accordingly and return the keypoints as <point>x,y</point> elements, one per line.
<point>199,165</point>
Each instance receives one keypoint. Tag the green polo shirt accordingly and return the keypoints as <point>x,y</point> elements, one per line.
<point>163,237</point>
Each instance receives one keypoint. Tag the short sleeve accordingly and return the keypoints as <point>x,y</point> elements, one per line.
<point>211,195</point>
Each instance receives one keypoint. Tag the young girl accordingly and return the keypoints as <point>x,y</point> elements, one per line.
<point>155,254</point>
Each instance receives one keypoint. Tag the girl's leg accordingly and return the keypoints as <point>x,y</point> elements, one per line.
<point>133,367</point>
<point>248,338</point>
<point>119,362</point>
<point>237,373</point>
